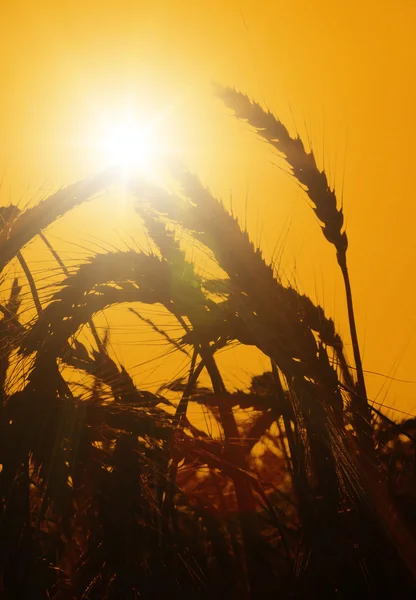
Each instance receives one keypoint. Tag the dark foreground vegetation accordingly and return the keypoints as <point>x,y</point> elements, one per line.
<point>113,493</point>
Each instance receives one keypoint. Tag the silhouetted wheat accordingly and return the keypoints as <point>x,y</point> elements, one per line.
<point>26,225</point>
<point>114,492</point>
<point>317,433</point>
<point>324,203</point>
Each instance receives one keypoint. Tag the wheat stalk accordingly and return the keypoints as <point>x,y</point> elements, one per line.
<point>263,306</point>
<point>324,203</point>
<point>26,225</point>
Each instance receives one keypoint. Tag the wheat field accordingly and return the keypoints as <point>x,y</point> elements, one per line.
<point>297,487</point>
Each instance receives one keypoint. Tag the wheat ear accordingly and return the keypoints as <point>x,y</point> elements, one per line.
<point>324,203</point>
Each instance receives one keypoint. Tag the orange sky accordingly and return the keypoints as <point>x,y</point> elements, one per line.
<point>341,71</point>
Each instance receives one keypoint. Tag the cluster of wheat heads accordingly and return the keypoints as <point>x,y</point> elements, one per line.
<point>115,492</point>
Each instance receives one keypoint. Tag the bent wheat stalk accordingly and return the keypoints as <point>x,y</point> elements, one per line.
<point>26,225</point>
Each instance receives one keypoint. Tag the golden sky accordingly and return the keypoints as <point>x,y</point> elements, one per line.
<point>340,72</point>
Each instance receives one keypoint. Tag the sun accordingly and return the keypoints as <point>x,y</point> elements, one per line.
<point>134,136</point>
<point>130,146</point>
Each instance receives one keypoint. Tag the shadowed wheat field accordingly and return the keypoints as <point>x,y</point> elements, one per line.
<point>296,487</point>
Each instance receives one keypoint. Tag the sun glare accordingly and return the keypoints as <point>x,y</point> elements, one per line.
<point>135,137</point>
<point>130,147</point>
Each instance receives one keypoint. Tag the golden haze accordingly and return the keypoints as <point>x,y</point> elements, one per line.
<point>340,72</point>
